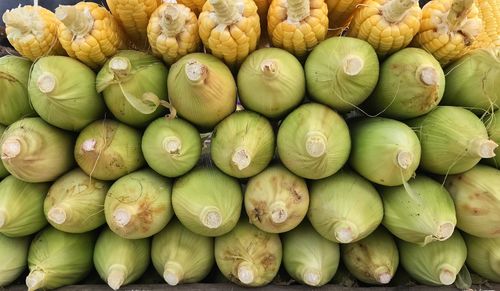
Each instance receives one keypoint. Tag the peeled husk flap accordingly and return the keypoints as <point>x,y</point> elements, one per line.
<point>14,258</point>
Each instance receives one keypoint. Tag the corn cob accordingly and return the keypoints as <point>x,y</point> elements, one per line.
<point>448,28</point>
<point>388,25</point>
<point>133,16</point>
<point>195,5</point>
<point>32,31</point>
<point>173,32</point>
<point>297,25</point>
<point>230,29</point>
<point>340,14</point>
<point>89,33</point>
<point>489,11</point>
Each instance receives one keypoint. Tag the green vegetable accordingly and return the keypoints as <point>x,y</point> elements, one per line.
<point>14,258</point>
<point>493,126</point>
<point>3,172</point>
<point>483,256</point>
<point>313,141</point>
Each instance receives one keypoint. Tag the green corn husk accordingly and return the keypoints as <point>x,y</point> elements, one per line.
<point>453,140</point>
<point>341,72</point>
<point>276,200</point>
<point>372,260</point>
<point>308,257</point>
<point>242,144</point>
<point>139,205</point>
<point>21,207</point>
<point>435,264</point>
<point>181,256</point>
<point>419,212</point>
<point>133,85</point>
<point>202,89</point>
<point>120,261</point>
<point>476,194</point>
<point>384,151</point>
<point>472,81</point>
<point>14,258</point>
<point>75,202</point>
<point>313,141</point>
<point>171,147</point>
<point>3,171</point>
<point>248,256</point>
<point>108,150</point>
<point>483,256</point>
<point>15,103</point>
<point>493,127</point>
<point>411,84</point>
<point>57,259</point>
<point>62,91</point>
<point>207,201</point>
<point>271,81</point>
<point>345,207</point>
<point>36,152</point>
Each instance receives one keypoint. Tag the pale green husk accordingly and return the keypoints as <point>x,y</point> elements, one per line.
<point>107,150</point>
<point>75,202</point>
<point>243,144</point>
<point>472,81</point>
<point>34,151</point>
<point>14,258</point>
<point>435,264</point>
<point>483,256</point>
<point>3,171</point>
<point>419,212</point>
<point>345,207</point>
<point>308,257</point>
<point>271,81</point>
<point>171,147</point>
<point>14,103</point>
<point>202,89</point>
<point>21,207</point>
<point>276,200</point>
<point>181,256</point>
<point>139,205</point>
<point>411,84</point>
<point>58,259</point>
<point>207,201</point>
<point>453,140</point>
<point>384,151</point>
<point>313,141</point>
<point>133,85</point>
<point>493,126</point>
<point>120,261</point>
<point>372,260</point>
<point>248,256</point>
<point>341,72</point>
<point>476,194</point>
<point>62,91</point>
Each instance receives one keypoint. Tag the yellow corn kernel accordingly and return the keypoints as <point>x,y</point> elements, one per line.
<point>340,14</point>
<point>388,25</point>
<point>230,29</point>
<point>133,16</point>
<point>449,29</point>
<point>489,12</point>
<point>32,31</point>
<point>297,25</point>
<point>89,33</point>
<point>173,32</point>
<point>195,5</point>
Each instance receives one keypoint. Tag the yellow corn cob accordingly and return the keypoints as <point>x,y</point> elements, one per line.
<point>448,28</point>
<point>195,5</point>
<point>489,12</point>
<point>340,13</point>
<point>173,32</point>
<point>133,16</point>
<point>89,33</point>
<point>32,31</point>
<point>230,29</point>
<point>297,25</point>
<point>388,25</point>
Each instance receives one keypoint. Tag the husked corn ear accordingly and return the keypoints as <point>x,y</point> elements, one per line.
<point>32,31</point>
<point>195,5</point>
<point>230,29</point>
<point>89,33</point>
<point>448,29</point>
<point>340,13</point>
<point>173,32</point>
<point>489,12</point>
<point>133,16</point>
<point>388,25</point>
<point>297,25</point>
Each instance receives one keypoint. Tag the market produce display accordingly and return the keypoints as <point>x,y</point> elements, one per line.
<point>311,142</point>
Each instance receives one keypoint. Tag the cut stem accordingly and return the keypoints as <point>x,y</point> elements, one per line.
<point>80,22</point>
<point>383,275</point>
<point>311,277</point>
<point>404,159</point>
<point>279,212</point>
<point>269,68</point>
<point>345,232</point>
<point>196,72</point>
<point>172,145</point>
<point>172,20</point>
<point>173,273</point>
<point>210,217</point>
<point>246,273</point>
<point>89,145</point>
<point>226,11</point>
<point>241,158</point>
<point>445,231</point>
<point>57,215</point>
<point>353,65</point>
<point>46,83</point>
<point>395,10</point>
<point>427,75</point>
<point>11,148</point>
<point>316,144</point>
<point>35,280</point>
<point>447,274</point>
<point>484,148</point>
<point>120,66</point>
<point>122,216</point>
<point>116,276</point>
<point>298,10</point>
